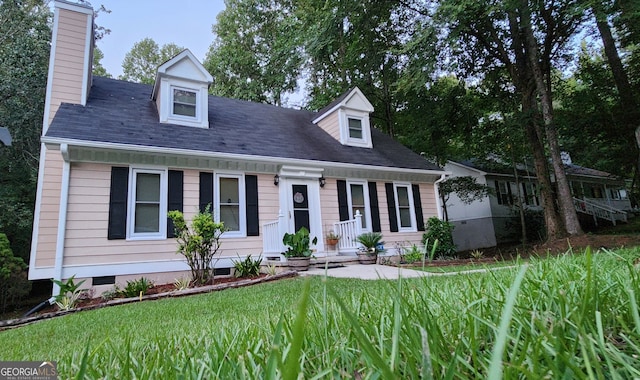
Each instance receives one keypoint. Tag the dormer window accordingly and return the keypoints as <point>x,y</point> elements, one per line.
<point>355,128</point>
<point>180,91</point>
<point>184,102</point>
<point>347,119</point>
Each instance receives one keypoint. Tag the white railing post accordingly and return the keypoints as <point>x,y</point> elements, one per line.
<point>358,223</point>
<point>282,229</point>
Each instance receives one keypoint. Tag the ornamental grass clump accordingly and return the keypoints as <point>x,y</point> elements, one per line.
<point>198,243</point>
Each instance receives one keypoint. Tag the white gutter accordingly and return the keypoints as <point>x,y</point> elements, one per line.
<point>438,199</point>
<point>62,220</point>
<point>229,156</point>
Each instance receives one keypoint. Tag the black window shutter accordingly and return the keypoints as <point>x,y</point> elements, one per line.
<point>375,210</point>
<point>251,188</point>
<point>174,197</point>
<point>391,206</point>
<point>117,228</point>
<point>343,203</point>
<point>206,191</point>
<point>417,205</point>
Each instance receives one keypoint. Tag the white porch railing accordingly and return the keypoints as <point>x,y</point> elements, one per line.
<point>599,211</point>
<point>348,231</point>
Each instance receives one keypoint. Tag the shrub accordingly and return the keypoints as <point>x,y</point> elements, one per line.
<point>182,283</point>
<point>370,240</point>
<point>442,232</point>
<point>198,243</point>
<point>413,255</point>
<point>247,267</point>
<point>299,244</point>
<point>135,287</point>
<point>13,278</point>
<point>69,294</point>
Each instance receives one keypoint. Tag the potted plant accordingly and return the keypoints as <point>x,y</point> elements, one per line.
<point>332,238</point>
<point>370,241</point>
<point>299,251</point>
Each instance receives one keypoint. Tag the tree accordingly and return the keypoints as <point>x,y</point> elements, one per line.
<point>488,36</point>
<point>24,58</point>
<point>97,68</point>
<point>141,62</point>
<point>256,54</point>
<point>466,188</point>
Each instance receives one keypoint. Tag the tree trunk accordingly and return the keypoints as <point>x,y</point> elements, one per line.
<point>519,203</point>
<point>565,199</point>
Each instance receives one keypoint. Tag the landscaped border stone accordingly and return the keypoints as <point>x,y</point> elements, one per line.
<point>12,323</point>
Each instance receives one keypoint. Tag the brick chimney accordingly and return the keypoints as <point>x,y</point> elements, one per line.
<point>70,62</point>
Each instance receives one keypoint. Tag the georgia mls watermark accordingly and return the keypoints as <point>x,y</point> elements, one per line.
<point>28,371</point>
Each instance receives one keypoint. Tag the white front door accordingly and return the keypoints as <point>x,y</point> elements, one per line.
<point>302,200</point>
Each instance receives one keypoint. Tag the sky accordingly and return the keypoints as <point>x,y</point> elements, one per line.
<point>186,23</point>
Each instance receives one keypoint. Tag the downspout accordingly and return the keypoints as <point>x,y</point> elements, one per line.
<point>438,199</point>
<point>62,220</point>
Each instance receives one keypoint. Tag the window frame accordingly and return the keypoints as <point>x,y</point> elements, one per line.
<point>367,202</point>
<point>242,199</point>
<point>131,201</point>
<point>412,210</point>
<point>172,102</point>
<point>345,136</point>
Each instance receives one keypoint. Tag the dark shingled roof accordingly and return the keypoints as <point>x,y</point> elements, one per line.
<point>122,112</point>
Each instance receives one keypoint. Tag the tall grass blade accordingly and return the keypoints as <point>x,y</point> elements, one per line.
<point>495,368</point>
<point>292,364</point>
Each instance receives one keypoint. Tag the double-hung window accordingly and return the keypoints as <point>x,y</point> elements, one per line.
<point>184,102</point>
<point>230,205</point>
<point>404,207</point>
<point>147,204</point>
<point>359,202</point>
<point>355,128</point>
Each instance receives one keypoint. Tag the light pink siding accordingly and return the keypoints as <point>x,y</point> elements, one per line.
<point>68,71</point>
<point>47,227</point>
<point>329,202</point>
<point>86,238</point>
<point>331,125</point>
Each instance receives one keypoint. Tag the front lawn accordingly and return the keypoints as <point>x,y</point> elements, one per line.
<point>572,316</point>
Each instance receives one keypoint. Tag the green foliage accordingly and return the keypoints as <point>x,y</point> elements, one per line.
<point>299,244</point>
<point>198,243</point>
<point>13,278</point>
<point>110,294</point>
<point>247,267</point>
<point>439,234</point>
<point>413,255</point>
<point>69,293</point>
<point>370,240</point>
<point>97,68</point>
<point>135,287</point>
<point>509,320</point>
<point>141,62</point>
<point>25,38</point>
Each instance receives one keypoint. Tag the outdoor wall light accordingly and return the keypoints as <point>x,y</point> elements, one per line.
<point>276,179</point>
<point>322,181</point>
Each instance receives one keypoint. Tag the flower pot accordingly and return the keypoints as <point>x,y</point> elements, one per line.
<point>298,264</point>
<point>332,241</point>
<point>365,258</point>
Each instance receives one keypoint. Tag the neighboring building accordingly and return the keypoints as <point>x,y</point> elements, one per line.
<point>494,219</point>
<point>117,156</point>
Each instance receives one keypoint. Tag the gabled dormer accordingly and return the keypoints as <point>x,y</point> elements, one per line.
<point>181,90</point>
<point>347,119</point>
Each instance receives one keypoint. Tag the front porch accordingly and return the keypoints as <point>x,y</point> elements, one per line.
<point>347,246</point>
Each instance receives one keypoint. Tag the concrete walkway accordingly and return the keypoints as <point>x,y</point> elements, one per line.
<point>385,272</point>
<point>366,272</point>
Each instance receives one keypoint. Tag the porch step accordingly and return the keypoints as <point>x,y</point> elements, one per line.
<point>332,261</point>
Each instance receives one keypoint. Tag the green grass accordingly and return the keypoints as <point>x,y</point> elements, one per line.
<point>467,267</point>
<point>570,317</point>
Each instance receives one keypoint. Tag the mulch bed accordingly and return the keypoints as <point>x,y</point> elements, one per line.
<point>155,293</point>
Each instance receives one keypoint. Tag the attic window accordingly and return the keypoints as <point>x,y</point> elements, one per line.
<point>184,102</point>
<point>355,128</point>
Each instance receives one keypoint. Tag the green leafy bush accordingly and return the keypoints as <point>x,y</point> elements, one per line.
<point>247,267</point>
<point>69,294</point>
<point>370,240</point>
<point>198,243</point>
<point>442,232</point>
<point>414,254</point>
<point>13,277</point>
<point>299,243</point>
<point>135,287</point>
